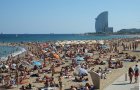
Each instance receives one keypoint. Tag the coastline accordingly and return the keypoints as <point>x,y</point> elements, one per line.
<point>13,54</point>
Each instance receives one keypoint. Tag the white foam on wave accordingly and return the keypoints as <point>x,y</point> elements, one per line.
<point>18,52</point>
<point>14,54</point>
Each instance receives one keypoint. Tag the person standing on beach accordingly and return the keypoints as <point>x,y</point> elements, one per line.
<point>136,71</point>
<point>60,82</point>
<point>53,70</point>
<point>130,73</point>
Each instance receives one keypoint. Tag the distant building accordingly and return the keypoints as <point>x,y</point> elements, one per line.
<point>110,30</point>
<point>101,24</point>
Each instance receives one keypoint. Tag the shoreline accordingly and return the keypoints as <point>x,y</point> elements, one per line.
<point>13,54</point>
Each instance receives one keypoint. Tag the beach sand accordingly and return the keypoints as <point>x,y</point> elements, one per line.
<point>113,75</point>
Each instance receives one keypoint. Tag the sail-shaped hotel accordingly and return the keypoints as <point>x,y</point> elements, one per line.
<point>101,24</point>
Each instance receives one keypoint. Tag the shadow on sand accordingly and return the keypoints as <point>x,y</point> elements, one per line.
<point>122,83</point>
<point>136,51</point>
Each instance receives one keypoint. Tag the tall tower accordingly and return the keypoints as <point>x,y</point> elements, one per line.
<point>101,24</point>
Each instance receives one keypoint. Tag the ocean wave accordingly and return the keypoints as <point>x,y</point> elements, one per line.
<point>18,52</point>
<point>15,53</point>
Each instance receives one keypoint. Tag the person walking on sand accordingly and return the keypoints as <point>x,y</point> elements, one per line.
<point>60,82</point>
<point>136,72</point>
<point>130,73</point>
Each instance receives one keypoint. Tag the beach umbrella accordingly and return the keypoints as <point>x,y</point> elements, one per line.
<point>46,49</point>
<point>78,58</point>
<point>101,41</point>
<point>94,41</point>
<point>113,59</point>
<point>6,66</point>
<point>14,64</point>
<point>82,71</point>
<point>104,47</point>
<point>37,63</point>
<point>56,56</point>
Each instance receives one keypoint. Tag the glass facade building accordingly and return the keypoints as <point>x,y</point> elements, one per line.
<point>101,24</point>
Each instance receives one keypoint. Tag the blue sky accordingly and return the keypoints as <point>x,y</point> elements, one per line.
<point>65,16</point>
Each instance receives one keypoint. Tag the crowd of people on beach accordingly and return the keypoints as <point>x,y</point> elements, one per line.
<point>53,65</point>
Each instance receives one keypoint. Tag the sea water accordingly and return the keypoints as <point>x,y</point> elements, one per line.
<point>6,51</point>
<point>56,37</point>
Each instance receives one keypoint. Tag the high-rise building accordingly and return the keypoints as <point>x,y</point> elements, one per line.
<point>101,24</point>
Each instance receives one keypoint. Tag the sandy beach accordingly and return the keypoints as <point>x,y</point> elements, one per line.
<point>65,65</point>
<point>69,44</point>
